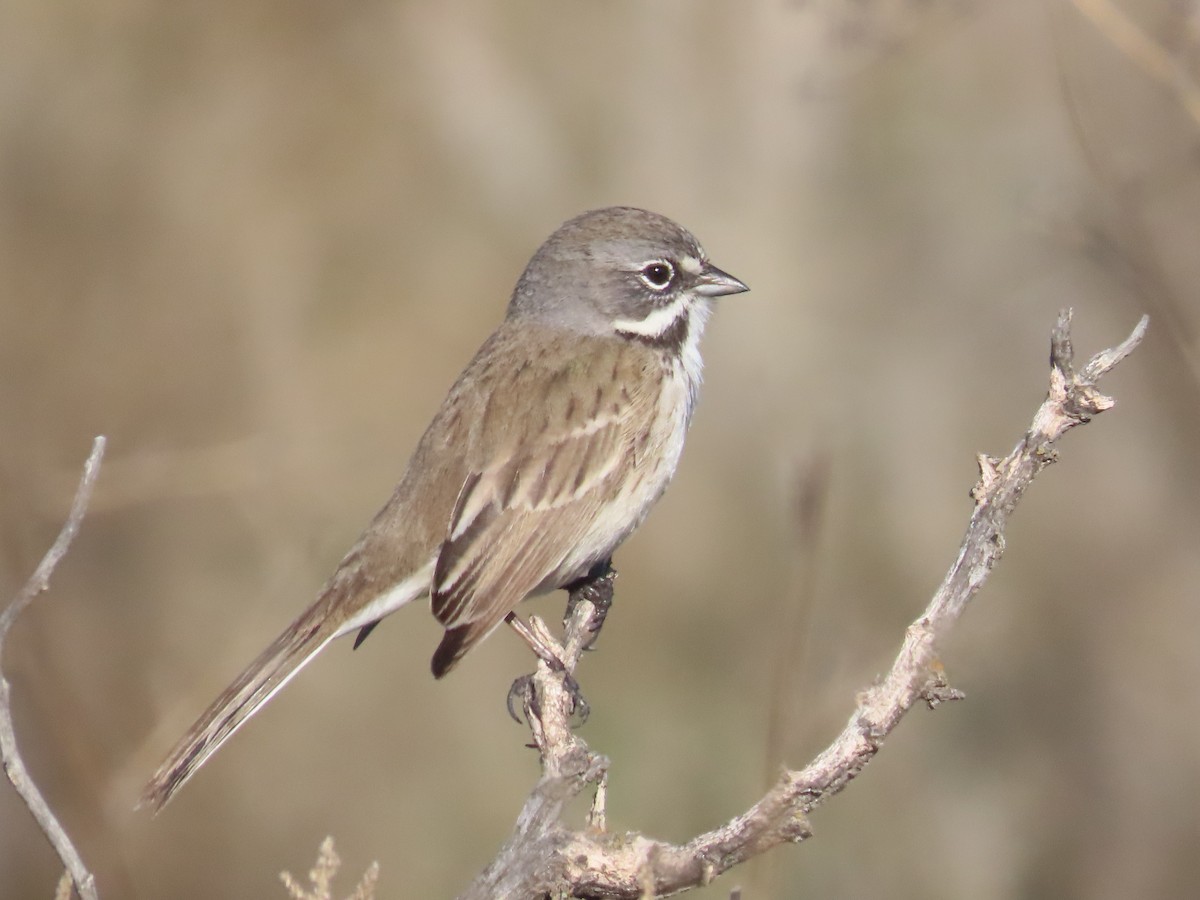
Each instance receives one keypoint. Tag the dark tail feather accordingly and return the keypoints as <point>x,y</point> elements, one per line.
<point>364,632</point>
<point>455,643</point>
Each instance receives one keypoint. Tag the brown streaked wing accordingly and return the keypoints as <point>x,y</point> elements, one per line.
<point>520,558</point>
<point>518,517</point>
<point>518,521</point>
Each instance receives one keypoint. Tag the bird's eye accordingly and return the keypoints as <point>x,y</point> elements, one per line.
<point>657,275</point>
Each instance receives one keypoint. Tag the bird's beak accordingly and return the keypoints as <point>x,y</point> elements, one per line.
<point>712,282</point>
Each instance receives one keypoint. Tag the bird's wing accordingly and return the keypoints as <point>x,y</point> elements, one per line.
<point>519,518</point>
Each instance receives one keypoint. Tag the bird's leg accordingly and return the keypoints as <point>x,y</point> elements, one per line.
<point>522,689</point>
<point>597,588</point>
<point>536,644</point>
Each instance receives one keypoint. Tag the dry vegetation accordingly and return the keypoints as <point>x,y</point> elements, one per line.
<point>253,243</point>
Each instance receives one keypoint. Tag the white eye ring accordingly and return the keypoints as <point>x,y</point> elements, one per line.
<point>658,274</point>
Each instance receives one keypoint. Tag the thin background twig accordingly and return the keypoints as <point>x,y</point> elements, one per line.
<point>14,766</point>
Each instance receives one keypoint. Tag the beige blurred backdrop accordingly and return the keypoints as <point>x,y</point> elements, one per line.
<point>253,243</point>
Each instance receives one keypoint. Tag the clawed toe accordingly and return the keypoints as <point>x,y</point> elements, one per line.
<point>522,694</point>
<point>597,588</point>
<point>579,706</point>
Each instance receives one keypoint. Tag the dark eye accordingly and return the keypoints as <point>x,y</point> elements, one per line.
<point>657,274</point>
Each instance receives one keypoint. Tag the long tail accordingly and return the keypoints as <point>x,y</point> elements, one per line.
<point>273,668</point>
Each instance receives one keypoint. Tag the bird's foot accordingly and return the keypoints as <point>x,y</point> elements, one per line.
<point>596,587</point>
<point>523,699</point>
<point>520,696</point>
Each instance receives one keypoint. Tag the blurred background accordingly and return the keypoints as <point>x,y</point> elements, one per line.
<point>254,243</point>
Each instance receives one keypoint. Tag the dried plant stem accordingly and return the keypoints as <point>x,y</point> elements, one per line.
<point>1136,46</point>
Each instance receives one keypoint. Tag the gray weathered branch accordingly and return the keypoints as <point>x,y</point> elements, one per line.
<point>545,858</point>
<point>14,766</point>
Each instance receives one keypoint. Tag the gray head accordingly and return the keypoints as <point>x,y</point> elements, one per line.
<point>620,269</point>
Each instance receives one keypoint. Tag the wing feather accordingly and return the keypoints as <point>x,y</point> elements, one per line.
<point>520,517</point>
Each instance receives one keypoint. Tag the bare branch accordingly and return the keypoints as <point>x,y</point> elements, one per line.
<point>14,766</point>
<point>522,868</point>
<point>543,857</point>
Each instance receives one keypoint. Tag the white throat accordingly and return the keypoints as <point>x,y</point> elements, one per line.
<point>683,350</point>
<point>691,364</point>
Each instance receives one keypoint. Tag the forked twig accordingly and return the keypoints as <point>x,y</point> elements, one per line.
<point>543,857</point>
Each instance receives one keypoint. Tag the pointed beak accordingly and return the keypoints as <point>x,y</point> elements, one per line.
<point>712,282</point>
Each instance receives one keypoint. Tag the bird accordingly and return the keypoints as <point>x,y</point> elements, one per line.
<point>547,453</point>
